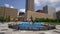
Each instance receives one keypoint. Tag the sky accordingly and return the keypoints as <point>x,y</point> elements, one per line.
<point>39,4</point>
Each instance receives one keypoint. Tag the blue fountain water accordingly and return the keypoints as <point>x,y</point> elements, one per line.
<point>36,24</point>
<point>24,24</point>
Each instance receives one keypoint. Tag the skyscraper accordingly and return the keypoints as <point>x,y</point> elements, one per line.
<point>31,13</point>
<point>30,5</point>
<point>50,10</point>
<point>58,14</point>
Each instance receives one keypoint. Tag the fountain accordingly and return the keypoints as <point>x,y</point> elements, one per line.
<point>33,26</point>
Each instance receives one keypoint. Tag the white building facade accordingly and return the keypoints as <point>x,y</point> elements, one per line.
<point>50,10</point>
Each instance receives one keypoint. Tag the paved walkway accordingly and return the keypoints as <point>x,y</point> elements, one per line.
<point>4,29</point>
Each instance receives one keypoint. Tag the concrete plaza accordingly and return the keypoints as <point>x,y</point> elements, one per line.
<point>4,29</point>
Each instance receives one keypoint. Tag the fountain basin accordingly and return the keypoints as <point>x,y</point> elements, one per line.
<point>32,26</point>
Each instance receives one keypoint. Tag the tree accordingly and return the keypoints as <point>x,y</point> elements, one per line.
<point>1,18</point>
<point>36,20</point>
<point>7,18</point>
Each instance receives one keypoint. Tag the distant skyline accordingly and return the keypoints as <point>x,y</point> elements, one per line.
<point>20,4</point>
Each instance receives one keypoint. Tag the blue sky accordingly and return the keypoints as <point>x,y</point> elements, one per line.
<point>20,4</point>
<point>15,3</point>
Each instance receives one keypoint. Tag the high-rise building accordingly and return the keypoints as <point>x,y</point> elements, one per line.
<point>30,5</point>
<point>58,14</point>
<point>50,10</point>
<point>31,13</point>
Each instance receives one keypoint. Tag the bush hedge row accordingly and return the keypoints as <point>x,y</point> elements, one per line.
<point>46,20</point>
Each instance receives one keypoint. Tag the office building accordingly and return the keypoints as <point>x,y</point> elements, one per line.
<point>50,10</point>
<point>58,14</point>
<point>30,5</point>
<point>6,11</point>
<point>30,12</point>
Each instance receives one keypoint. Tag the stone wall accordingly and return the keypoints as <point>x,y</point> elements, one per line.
<point>37,15</point>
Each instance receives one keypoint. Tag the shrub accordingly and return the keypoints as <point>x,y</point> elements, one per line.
<point>1,18</point>
<point>46,20</point>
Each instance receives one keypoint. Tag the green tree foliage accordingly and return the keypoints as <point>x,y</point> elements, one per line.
<point>36,20</point>
<point>7,18</point>
<point>1,18</point>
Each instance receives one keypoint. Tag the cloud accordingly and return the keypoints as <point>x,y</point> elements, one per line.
<point>6,5</point>
<point>58,8</point>
<point>21,10</point>
<point>11,7</point>
<point>54,3</point>
<point>37,2</point>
